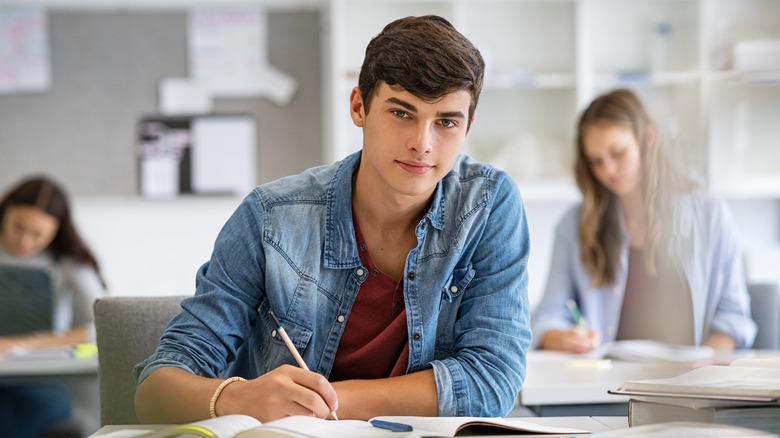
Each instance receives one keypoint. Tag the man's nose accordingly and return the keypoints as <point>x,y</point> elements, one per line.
<point>422,139</point>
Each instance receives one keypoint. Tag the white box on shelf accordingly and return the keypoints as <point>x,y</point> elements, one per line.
<point>763,54</point>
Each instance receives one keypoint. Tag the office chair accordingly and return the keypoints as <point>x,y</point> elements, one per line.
<point>765,309</point>
<point>127,330</point>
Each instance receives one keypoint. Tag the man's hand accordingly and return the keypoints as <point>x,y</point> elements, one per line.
<point>173,395</point>
<point>287,390</point>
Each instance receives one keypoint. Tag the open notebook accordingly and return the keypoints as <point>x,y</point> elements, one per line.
<point>26,296</point>
<point>243,426</point>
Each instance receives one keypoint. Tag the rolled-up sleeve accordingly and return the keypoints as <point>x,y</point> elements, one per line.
<point>492,331</point>
<point>204,338</point>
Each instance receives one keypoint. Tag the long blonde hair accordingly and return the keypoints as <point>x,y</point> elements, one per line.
<point>600,231</point>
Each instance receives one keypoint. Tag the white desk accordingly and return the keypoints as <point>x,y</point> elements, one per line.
<point>565,384</point>
<point>592,424</point>
<point>562,379</point>
<point>48,368</point>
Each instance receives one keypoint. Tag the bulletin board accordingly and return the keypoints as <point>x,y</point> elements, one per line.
<point>106,66</point>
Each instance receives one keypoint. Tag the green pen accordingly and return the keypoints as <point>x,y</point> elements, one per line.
<point>576,314</point>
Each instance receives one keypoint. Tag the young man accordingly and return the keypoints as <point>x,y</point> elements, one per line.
<point>399,273</point>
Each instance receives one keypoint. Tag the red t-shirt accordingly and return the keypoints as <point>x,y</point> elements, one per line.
<point>375,342</point>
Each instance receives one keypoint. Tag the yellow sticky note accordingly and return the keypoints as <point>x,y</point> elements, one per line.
<point>85,351</point>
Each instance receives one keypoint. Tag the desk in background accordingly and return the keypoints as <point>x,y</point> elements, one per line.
<point>48,368</point>
<point>81,375</point>
<point>561,384</point>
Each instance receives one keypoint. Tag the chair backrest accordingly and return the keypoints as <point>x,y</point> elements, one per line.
<point>128,330</point>
<point>765,309</point>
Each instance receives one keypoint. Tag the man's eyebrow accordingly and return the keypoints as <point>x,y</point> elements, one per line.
<point>452,115</point>
<point>412,108</point>
<point>404,104</point>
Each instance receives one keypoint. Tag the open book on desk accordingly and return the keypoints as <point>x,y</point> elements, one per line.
<point>641,350</point>
<point>77,351</point>
<point>242,426</point>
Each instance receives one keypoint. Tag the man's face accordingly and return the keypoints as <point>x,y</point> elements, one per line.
<point>409,144</point>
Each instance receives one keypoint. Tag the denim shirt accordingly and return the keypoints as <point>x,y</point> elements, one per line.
<point>710,259</point>
<point>290,247</point>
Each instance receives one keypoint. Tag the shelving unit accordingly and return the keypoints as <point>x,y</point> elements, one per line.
<point>547,59</point>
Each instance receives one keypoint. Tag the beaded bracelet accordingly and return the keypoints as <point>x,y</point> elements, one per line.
<point>213,404</point>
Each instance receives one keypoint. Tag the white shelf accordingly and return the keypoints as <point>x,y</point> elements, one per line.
<point>509,81</point>
<point>746,78</point>
<point>654,79</point>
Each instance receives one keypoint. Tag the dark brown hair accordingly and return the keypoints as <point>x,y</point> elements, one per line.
<point>49,197</point>
<point>600,233</point>
<point>424,55</point>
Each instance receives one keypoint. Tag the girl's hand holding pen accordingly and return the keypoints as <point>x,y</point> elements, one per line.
<point>578,339</point>
<point>574,340</point>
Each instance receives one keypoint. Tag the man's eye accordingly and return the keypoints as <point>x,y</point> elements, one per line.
<point>400,114</point>
<point>447,123</point>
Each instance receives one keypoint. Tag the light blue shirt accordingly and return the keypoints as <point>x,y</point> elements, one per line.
<point>290,247</point>
<point>708,249</point>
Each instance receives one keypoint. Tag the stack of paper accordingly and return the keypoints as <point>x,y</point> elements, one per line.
<point>745,393</point>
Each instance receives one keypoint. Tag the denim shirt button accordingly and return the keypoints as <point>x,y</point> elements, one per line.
<point>273,334</point>
<point>416,336</point>
<point>359,272</point>
<point>340,318</point>
<point>454,289</point>
<point>411,276</point>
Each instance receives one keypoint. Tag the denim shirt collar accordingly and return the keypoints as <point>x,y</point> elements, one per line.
<point>340,244</point>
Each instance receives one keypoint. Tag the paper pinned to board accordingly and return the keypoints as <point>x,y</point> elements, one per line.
<point>228,52</point>
<point>25,61</point>
<point>223,155</point>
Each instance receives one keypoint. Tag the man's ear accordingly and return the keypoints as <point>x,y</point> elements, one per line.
<point>356,107</point>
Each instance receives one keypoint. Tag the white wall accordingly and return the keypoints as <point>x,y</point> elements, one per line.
<point>155,247</point>
<point>759,224</point>
<point>149,247</point>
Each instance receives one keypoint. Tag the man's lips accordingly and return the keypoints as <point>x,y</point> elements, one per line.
<point>416,167</point>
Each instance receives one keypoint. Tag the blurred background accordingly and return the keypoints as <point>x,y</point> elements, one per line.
<point>159,116</point>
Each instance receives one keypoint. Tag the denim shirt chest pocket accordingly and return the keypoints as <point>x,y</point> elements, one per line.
<point>277,351</point>
<point>451,295</point>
